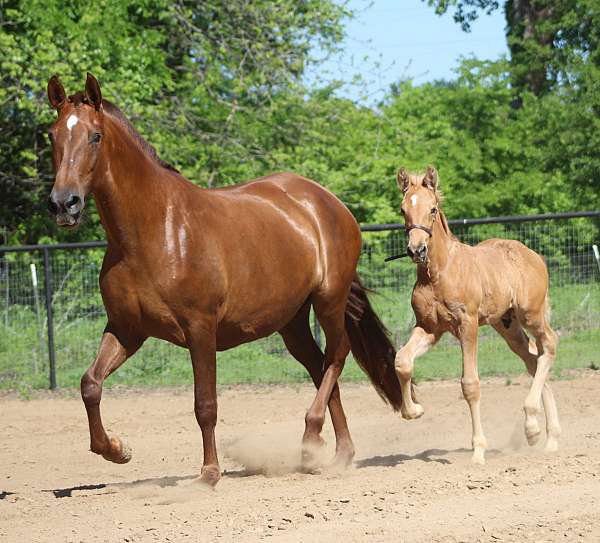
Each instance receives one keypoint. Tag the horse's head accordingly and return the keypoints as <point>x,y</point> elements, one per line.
<point>420,207</point>
<point>76,138</point>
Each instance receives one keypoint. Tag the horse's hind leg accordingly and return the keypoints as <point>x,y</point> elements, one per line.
<point>112,353</point>
<point>546,341</point>
<point>526,349</point>
<point>302,346</point>
<point>331,314</point>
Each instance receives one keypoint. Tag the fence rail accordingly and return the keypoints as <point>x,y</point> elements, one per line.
<point>64,330</point>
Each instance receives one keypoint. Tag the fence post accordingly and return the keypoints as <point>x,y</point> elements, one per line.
<point>48,291</point>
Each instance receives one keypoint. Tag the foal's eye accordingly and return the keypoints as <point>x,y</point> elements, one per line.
<point>95,137</point>
<point>434,210</point>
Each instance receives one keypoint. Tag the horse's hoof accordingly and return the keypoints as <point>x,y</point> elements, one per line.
<point>551,445</point>
<point>342,459</point>
<point>478,457</point>
<point>533,436</point>
<point>312,455</point>
<point>210,475</point>
<point>412,414</point>
<point>118,452</point>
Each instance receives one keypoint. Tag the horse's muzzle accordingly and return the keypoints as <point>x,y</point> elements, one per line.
<point>66,207</point>
<point>418,255</point>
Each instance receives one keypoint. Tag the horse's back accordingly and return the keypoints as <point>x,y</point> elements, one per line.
<point>520,269</point>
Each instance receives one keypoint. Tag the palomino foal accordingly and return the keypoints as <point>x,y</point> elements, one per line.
<point>459,288</point>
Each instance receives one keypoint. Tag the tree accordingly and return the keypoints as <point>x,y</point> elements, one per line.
<point>549,40</point>
<point>201,80</point>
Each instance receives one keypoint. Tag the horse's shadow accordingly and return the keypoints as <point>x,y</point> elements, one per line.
<point>162,482</point>
<point>391,460</point>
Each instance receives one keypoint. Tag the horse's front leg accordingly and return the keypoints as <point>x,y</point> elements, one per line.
<point>419,343</point>
<point>112,353</point>
<point>470,387</point>
<point>204,364</point>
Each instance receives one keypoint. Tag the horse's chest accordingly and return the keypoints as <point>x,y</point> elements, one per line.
<point>138,306</point>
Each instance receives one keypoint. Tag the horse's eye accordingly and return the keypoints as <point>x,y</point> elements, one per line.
<point>95,137</point>
<point>434,210</point>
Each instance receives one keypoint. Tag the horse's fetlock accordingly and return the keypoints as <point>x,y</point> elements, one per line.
<point>314,422</point>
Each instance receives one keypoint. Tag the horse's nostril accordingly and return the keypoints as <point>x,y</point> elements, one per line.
<point>72,201</point>
<point>409,251</point>
<point>52,207</point>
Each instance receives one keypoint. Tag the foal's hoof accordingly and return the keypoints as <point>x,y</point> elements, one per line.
<point>551,445</point>
<point>210,475</point>
<point>478,457</point>
<point>532,433</point>
<point>414,413</point>
<point>118,452</point>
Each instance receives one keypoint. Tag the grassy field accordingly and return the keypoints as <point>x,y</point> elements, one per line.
<point>23,354</point>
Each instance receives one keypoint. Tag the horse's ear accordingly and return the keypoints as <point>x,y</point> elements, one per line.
<point>431,178</point>
<point>402,179</point>
<point>93,93</point>
<point>56,92</point>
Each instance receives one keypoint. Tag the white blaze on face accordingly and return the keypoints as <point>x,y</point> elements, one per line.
<point>72,121</point>
<point>413,200</point>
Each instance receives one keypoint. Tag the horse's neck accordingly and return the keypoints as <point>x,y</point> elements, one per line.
<point>132,193</point>
<point>439,252</point>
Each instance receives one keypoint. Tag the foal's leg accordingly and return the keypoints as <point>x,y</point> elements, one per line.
<point>112,353</point>
<point>546,342</point>
<point>470,387</point>
<point>336,351</point>
<point>521,345</point>
<point>204,364</point>
<point>419,343</point>
<point>302,346</point>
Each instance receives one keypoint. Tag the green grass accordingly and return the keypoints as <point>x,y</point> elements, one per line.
<point>576,313</point>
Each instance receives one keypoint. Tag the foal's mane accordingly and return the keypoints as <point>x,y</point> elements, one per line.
<point>123,121</point>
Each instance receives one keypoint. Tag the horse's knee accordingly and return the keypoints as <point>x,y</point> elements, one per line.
<point>91,389</point>
<point>206,413</point>
<point>470,389</point>
<point>404,366</point>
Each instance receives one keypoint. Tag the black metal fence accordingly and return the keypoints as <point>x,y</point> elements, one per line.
<point>51,313</point>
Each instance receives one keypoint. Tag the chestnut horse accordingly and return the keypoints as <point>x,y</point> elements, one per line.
<point>212,269</point>
<point>459,288</point>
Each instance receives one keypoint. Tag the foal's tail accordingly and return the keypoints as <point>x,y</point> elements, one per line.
<point>371,345</point>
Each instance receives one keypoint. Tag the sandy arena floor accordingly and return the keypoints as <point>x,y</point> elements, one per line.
<point>412,481</point>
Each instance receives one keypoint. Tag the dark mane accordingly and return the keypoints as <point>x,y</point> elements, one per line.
<point>110,108</point>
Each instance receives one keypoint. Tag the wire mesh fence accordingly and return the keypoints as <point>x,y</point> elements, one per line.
<point>70,280</point>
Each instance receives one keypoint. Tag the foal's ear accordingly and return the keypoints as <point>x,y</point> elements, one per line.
<point>56,92</point>
<point>402,179</point>
<point>431,178</point>
<point>93,93</point>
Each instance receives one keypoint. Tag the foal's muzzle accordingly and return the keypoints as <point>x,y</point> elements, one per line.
<point>66,207</point>
<point>418,255</point>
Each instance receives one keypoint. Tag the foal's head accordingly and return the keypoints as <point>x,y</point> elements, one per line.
<point>420,207</point>
<point>76,138</point>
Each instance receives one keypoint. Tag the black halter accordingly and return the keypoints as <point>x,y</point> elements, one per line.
<point>407,229</point>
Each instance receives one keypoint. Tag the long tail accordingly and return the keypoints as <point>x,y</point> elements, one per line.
<point>371,345</point>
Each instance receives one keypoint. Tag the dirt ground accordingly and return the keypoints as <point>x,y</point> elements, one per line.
<point>411,481</point>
